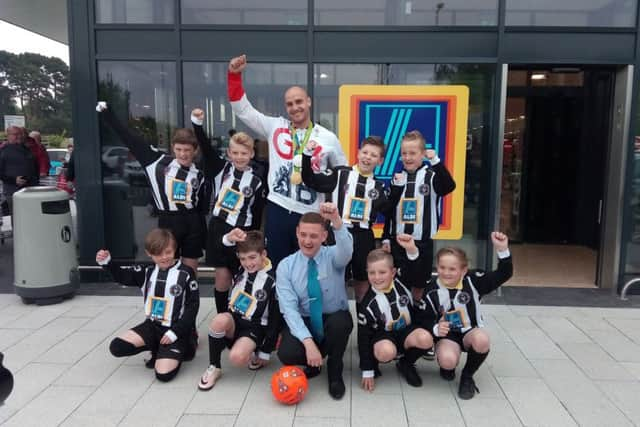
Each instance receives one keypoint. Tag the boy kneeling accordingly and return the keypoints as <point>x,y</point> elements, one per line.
<point>171,302</point>
<point>454,297</point>
<point>385,327</point>
<point>250,327</point>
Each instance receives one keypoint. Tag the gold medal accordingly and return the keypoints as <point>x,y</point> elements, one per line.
<point>296,178</point>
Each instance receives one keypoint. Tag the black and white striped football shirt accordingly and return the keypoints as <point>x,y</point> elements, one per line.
<point>171,297</point>
<point>359,198</point>
<point>238,195</point>
<point>175,188</point>
<point>462,301</point>
<point>416,197</point>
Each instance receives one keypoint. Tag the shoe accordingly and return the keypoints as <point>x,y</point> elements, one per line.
<point>467,388</point>
<point>150,363</point>
<point>448,374</point>
<point>253,363</point>
<point>336,388</point>
<point>209,378</point>
<point>429,355</point>
<point>409,373</point>
<point>311,371</point>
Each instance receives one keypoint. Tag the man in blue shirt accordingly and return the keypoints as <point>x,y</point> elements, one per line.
<point>313,298</point>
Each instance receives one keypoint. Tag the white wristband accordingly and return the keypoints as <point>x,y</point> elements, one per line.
<point>196,121</point>
<point>105,261</point>
<point>435,330</point>
<point>368,374</point>
<point>172,335</point>
<point>504,254</point>
<point>264,356</point>
<point>434,161</point>
<point>413,257</point>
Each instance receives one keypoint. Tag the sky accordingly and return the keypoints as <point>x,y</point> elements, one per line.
<point>17,40</point>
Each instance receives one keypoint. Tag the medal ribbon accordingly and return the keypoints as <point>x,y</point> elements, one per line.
<point>298,147</point>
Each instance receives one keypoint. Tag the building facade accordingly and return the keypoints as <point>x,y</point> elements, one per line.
<point>551,153</point>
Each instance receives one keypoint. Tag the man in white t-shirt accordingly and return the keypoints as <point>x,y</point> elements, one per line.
<point>288,197</point>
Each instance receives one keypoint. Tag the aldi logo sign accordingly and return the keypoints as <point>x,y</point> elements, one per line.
<point>438,112</point>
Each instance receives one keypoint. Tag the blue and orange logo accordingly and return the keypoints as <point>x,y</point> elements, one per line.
<point>438,112</point>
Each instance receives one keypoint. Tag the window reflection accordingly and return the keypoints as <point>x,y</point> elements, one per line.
<point>571,13</point>
<point>205,86</point>
<point>251,12</point>
<point>134,11</point>
<point>143,96</point>
<point>406,12</point>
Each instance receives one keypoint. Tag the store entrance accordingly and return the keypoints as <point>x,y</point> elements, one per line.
<point>557,128</point>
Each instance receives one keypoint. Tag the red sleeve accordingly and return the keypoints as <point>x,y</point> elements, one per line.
<point>234,86</point>
<point>43,160</point>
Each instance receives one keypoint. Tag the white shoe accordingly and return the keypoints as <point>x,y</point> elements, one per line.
<point>209,378</point>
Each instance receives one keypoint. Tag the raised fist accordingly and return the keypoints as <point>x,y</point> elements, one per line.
<point>407,242</point>
<point>237,64</point>
<point>329,211</point>
<point>236,235</point>
<point>430,153</point>
<point>500,241</point>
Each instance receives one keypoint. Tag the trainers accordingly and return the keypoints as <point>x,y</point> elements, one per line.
<point>467,388</point>
<point>209,378</point>
<point>253,363</point>
<point>150,363</point>
<point>429,355</point>
<point>447,374</point>
<point>409,372</point>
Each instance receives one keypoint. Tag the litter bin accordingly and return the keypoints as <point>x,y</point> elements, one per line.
<point>45,264</point>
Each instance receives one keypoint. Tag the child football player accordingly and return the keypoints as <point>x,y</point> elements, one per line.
<point>386,319</point>
<point>452,303</point>
<point>171,302</point>
<point>415,193</point>
<point>250,327</point>
<point>239,198</point>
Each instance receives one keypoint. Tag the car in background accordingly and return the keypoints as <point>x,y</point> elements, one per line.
<point>56,160</point>
<point>114,156</point>
<point>132,171</point>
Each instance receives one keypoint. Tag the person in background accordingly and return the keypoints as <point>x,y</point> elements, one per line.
<point>18,166</point>
<point>34,141</point>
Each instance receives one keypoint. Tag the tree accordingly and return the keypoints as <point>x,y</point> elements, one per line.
<point>41,86</point>
<point>7,103</point>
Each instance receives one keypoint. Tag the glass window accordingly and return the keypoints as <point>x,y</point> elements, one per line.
<point>479,78</point>
<point>205,86</point>
<point>632,238</point>
<point>327,79</point>
<point>134,11</point>
<point>571,13</point>
<point>143,97</point>
<point>251,12</point>
<point>406,12</point>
